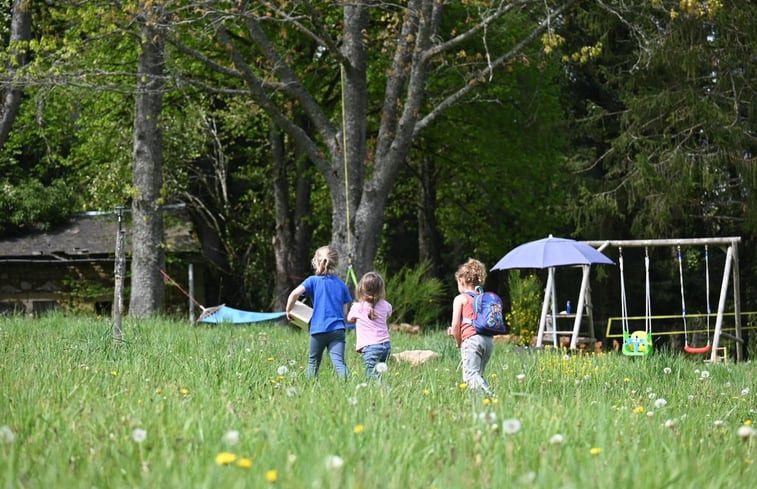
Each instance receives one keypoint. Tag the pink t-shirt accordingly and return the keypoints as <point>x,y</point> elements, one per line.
<point>370,331</point>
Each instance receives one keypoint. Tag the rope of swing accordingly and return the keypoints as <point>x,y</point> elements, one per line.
<point>683,300</point>
<point>623,306</point>
<point>647,293</point>
<point>350,271</point>
<point>707,287</point>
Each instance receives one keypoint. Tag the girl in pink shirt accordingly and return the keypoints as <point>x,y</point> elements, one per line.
<point>370,314</point>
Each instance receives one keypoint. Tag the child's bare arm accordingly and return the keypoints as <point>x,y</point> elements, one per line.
<point>293,296</point>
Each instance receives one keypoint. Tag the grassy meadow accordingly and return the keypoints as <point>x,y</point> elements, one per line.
<point>230,406</point>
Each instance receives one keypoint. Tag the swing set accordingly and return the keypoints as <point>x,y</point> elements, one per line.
<point>639,343</point>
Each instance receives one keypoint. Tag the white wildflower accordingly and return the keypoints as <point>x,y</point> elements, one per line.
<point>660,403</point>
<point>381,368</point>
<point>282,370</point>
<point>667,370</point>
<point>556,439</point>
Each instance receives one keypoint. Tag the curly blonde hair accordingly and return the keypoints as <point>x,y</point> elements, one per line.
<point>325,260</point>
<point>472,272</point>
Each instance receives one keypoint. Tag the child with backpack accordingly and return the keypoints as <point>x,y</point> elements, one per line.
<point>370,314</point>
<point>330,298</point>
<point>475,348</point>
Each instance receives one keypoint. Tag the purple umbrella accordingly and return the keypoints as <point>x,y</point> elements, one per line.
<point>551,252</point>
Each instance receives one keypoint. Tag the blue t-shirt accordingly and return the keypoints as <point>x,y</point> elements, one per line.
<point>329,295</point>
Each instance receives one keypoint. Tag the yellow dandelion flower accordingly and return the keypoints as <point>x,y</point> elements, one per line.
<point>463,386</point>
<point>158,390</point>
<point>595,451</point>
<point>638,409</point>
<point>495,401</point>
<point>426,392</point>
<point>272,476</point>
<point>183,391</point>
<point>626,380</point>
<point>748,422</point>
<point>359,428</point>
<point>270,359</point>
<point>244,462</point>
<point>225,458</point>
<point>114,373</point>
<point>486,401</point>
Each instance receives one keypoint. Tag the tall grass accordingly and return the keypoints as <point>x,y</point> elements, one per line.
<point>71,402</point>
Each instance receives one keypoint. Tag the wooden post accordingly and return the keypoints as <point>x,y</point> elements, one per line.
<point>120,267</point>
<point>190,271</point>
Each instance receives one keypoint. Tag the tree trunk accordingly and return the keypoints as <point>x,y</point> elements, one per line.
<point>147,224</point>
<point>292,243</point>
<point>21,27</point>
<point>428,231</point>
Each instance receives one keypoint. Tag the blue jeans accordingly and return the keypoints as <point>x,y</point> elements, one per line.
<point>335,342</point>
<point>373,354</point>
<point>476,352</point>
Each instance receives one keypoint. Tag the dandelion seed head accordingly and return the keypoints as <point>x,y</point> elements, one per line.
<point>231,437</point>
<point>138,435</point>
<point>282,370</point>
<point>718,423</point>
<point>667,370</point>
<point>511,426</point>
<point>660,403</point>
<point>705,374</point>
<point>746,432</point>
<point>6,434</point>
<point>670,423</point>
<point>334,462</point>
<point>381,367</point>
<point>557,439</point>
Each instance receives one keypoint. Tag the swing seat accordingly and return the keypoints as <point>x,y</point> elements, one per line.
<point>638,343</point>
<point>702,349</point>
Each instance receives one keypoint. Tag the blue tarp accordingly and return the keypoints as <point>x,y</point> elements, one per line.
<point>226,314</point>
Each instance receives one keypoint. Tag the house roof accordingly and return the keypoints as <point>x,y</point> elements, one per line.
<point>93,235</point>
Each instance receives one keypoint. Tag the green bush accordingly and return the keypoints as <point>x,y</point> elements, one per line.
<point>525,308</point>
<point>414,296</point>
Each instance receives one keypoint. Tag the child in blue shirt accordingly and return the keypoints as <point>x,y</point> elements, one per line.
<point>331,299</point>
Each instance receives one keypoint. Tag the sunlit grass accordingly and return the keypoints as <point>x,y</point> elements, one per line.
<point>230,406</point>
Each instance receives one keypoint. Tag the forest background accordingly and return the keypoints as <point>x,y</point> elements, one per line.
<point>410,135</point>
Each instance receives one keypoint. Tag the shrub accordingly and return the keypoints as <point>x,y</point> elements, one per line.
<point>414,295</point>
<point>525,305</point>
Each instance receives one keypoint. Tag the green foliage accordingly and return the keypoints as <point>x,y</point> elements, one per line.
<point>30,205</point>
<point>78,410</point>
<point>525,305</point>
<point>415,297</point>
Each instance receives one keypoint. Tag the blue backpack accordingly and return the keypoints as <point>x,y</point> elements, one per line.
<point>488,318</point>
